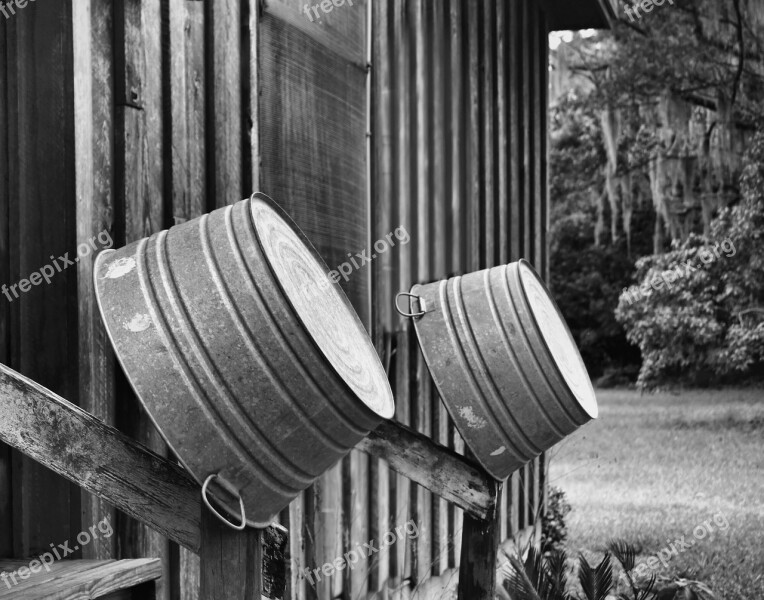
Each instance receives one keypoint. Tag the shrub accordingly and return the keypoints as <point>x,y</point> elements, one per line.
<point>554,531</point>
<point>708,323</point>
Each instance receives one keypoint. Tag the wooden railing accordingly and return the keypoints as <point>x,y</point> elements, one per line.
<point>161,494</point>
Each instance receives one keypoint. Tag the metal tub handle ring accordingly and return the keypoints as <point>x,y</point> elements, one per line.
<point>422,307</point>
<point>227,486</point>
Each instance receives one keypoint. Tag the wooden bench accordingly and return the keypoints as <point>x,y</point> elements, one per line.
<point>81,580</point>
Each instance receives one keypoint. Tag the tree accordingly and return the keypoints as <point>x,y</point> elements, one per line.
<point>698,311</point>
<point>649,130</point>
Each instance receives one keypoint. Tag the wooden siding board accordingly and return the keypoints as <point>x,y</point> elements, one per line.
<point>311,140</point>
<point>92,23</point>
<point>422,413</point>
<point>488,113</point>
<point>312,143</point>
<point>41,140</point>
<point>474,188</point>
<point>502,183</point>
<point>440,251</point>
<point>456,131</point>
<point>140,188</point>
<point>356,512</point>
<point>400,567</point>
<point>188,105</point>
<point>515,88</point>
<point>458,193</point>
<point>185,83</point>
<point>502,129</point>
<point>224,103</point>
<point>384,285</point>
<point>527,129</point>
<point>6,505</point>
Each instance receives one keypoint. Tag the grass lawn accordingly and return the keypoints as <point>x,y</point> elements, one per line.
<point>654,468</point>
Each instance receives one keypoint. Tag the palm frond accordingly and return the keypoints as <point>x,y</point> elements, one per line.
<point>647,590</point>
<point>536,572</point>
<point>518,583</point>
<point>596,582</point>
<point>556,565</point>
<point>624,552</point>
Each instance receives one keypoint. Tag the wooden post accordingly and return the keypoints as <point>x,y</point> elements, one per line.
<point>232,561</point>
<point>480,544</point>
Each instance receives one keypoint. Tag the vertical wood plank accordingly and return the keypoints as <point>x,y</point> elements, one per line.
<point>456,118</point>
<point>458,214</point>
<point>140,173</point>
<point>514,501</point>
<point>41,140</point>
<point>515,90</point>
<point>480,544</point>
<point>250,64</point>
<point>328,528</point>
<point>502,133</point>
<point>231,561</point>
<point>439,248</point>
<point>474,173</point>
<point>297,563</point>
<point>528,113</point>
<point>489,231</point>
<point>224,85</point>
<point>6,506</point>
<point>383,283</point>
<point>542,145</point>
<point>356,484</point>
<point>404,194</point>
<point>187,98</point>
<point>92,23</point>
<point>502,199</point>
<point>424,244</point>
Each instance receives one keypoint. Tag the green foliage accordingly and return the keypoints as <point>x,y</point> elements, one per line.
<point>708,325</point>
<point>576,155</point>
<point>554,531</point>
<point>545,577</point>
<point>586,281</point>
<point>595,582</point>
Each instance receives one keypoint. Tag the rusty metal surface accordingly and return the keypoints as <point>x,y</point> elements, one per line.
<point>504,363</point>
<point>251,362</point>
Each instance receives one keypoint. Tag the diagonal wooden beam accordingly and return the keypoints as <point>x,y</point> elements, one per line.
<point>99,458</point>
<point>162,494</point>
<point>435,467</point>
<point>146,486</point>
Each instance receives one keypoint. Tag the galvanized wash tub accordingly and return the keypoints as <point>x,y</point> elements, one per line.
<point>248,358</point>
<point>504,362</point>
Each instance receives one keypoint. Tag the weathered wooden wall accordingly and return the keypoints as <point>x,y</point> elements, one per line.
<point>128,115</point>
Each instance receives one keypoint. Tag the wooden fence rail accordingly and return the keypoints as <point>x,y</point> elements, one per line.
<point>162,495</point>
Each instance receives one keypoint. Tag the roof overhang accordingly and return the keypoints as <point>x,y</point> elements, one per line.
<point>579,14</point>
